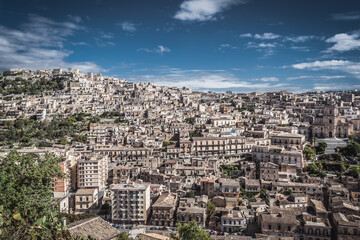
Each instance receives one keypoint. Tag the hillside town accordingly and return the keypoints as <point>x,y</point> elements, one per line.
<point>140,158</point>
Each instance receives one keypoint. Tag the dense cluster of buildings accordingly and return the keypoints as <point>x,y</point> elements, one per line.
<point>174,151</point>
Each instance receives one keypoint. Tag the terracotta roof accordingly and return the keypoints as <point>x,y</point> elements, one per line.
<point>85,191</point>
<point>165,200</point>
<point>152,236</point>
<point>207,180</point>
<point>96,227</point>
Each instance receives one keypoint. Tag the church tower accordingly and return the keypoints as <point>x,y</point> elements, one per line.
<point>330,117</point>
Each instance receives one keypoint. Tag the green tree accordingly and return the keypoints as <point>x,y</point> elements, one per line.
<point>313,169</point>
<point>299,180</point>
<point>105,209</point>
<point>80,138</point>
<point>288,192</point>
<point>337,157</point>
<point>263,193</point>
<point>124,236</point>
<point>309,153</point>
<point>63,140</point>
<point>210,207</point>
<point>190,231</point>
<point>190,194</point>
<point>26,205</point>
<point>353,149</point>
<point>320,149</point>
<point>353,171</point>
<point>166,143</point>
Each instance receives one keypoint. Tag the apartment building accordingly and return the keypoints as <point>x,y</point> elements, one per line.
<point>130,203</point>
<point>92,171</point>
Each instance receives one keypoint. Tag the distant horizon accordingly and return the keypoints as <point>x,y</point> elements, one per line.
<point>217,45</point>
<point>201,90</point>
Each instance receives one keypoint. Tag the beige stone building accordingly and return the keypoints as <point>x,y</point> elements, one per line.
<point>86,201</point>
<point>220,145</point>
<point>280,223</point>
<point>269,171</point>
<point>346,227</point>
<point>288,140</point>
<point>315,223</point>
<point>192,209</point>
<point>163,210</point>
<point>278,155</point>
<point>329,124</point>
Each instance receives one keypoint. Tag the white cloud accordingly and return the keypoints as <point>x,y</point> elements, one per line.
<point>266,36</point>
<point>276,41</point>
<point>350,67</point>
<point>224,46</point>
<point>273,36</point>
<point>38,44</point>
<point>76,19</point>
<point>300,48</point>
<point>205,79</point>
<point>344,42</point>
<point>107,35</point>
<point>128,26</point>
<point>335,86</point>
<point>266,45</point>
<point>269,79</point>
<point>203,10</point>
<point>159,49</point>
<point>272,40</point>
<point>324,77</point>
<point>246,35</point>
<point>321,64</point>
<point>266,48</point>
<point>298,39</point>
<point>104,39</point>
<point>260,45</point>
<point>349,16</point>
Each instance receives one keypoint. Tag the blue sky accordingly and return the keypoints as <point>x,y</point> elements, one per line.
<point>238,45</point>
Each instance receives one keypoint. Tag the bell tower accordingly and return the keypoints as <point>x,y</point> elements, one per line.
<point>330,120</point>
